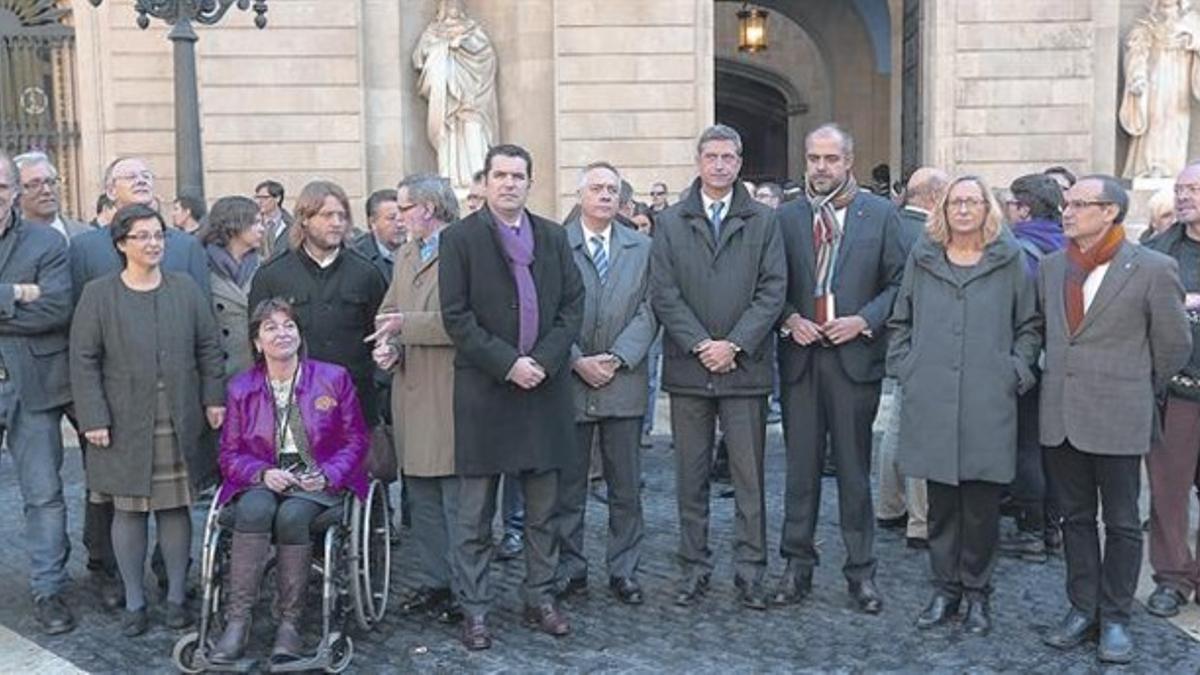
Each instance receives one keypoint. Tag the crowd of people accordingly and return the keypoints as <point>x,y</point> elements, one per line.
<point>1036,357</point>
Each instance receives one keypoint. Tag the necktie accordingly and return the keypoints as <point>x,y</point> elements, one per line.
<point>600,259</point>
<point>715,210</point>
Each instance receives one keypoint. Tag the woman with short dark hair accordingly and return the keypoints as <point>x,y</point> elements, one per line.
<point>232,243</point>
<point>145,372</point>
<point>294,443</point>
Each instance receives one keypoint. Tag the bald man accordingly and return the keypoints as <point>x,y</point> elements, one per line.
<point>902,502</point>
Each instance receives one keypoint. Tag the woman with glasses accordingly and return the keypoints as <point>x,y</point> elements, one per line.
<point>965,335</point>
<point>146,377</point>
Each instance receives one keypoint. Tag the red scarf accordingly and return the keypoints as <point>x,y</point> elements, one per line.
<point>1080,264</point>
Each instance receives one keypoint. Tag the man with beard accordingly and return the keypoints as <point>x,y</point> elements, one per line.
<point>845,260</point>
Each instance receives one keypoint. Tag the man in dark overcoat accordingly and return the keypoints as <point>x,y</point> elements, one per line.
<point>512,302</point>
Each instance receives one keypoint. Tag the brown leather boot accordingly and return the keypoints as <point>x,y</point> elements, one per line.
<point>292,575</point>
<point>247,558</point>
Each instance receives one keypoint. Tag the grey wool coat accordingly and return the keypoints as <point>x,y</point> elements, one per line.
<point>114,379</point>
<point>963,346</point>
<point>732,289</point>
<point>1099,385</point>
<point>617,319</point>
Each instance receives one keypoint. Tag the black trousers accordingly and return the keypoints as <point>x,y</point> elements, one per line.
<point>1032,489</point>
<point>825,401</point>
<point>964,528</point>
<point>1099,585</point>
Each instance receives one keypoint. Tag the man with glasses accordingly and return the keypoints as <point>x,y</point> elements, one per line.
<point>658,197</point>
<point>1116,333</point>
<point>275,219</point>
<point>1174,459</point>
<point>40,201</point>
<point>35,310</point>
<point>717,284</point>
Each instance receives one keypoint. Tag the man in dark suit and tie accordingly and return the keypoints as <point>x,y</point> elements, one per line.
<point>1116,332</point>
<point>512,303</point>
<point>845,258</point>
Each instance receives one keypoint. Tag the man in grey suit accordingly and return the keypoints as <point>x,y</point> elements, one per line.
<point>35,310</point>
<point>41,200</point>
<point>717,283</point>
<point>610,383</point>
<point>845,258</point>
<point>1116,332</point>
<point>129,180</point>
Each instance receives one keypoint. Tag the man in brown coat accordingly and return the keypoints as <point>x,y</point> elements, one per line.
<point>413,344</point>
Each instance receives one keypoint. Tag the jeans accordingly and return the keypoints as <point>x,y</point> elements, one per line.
<point>35,441</point>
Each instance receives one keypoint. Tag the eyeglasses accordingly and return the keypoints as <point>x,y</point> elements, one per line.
<point>37,184</point>
<point>1077,204</point>
<point>263,197</point>
<point>965,202</point>
<point>144,175</point>
<point>657,193</point>
<point>143,237</point>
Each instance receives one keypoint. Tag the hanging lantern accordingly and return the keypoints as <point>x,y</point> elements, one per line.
<point>752,29</point>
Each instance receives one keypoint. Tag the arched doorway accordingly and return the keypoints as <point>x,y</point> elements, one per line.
<point>759,112</point>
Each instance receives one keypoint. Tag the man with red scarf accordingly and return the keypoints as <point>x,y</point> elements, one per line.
<point>1116,332</point>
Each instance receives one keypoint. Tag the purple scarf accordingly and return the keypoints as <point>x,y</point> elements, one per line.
<point>518,249</point>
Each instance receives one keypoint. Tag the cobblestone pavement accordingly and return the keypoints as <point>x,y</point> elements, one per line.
<point>824,634</point>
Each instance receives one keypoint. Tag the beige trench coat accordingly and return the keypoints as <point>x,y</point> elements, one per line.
<point>423,381</point>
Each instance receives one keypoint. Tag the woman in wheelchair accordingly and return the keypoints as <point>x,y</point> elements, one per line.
<point>294,440</point>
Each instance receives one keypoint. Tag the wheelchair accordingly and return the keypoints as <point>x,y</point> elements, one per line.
<point>352,552</point>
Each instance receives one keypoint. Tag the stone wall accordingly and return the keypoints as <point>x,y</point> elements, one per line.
<point>1016,85</point>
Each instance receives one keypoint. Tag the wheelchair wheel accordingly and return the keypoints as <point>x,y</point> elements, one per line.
<point>184,654</point>
<point>371,537</point>
<point>341,654</point>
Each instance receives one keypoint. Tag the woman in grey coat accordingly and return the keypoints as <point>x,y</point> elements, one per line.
<point>232,243</point>
<point>965,333</point>
<point>145,372</point>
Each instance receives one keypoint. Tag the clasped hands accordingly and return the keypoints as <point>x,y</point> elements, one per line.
<point>718,356</point>
<point>596,370</point>
<point>282,480</point>
<point>835,331</point>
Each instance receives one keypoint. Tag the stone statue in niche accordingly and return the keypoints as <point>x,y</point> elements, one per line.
<point>1162,75</point>
<point>458,79</point>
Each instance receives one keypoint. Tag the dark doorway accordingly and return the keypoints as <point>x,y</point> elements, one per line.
<point>759,112</point>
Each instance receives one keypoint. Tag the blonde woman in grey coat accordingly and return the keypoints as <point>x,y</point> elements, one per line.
<point>965,335</point>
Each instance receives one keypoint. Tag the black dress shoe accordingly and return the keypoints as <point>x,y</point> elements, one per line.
<point>53,615</point>
<point>978,620</point>
<point>917,543</point>
<point>893,523</point>
<point>424,600</point>
<point>1072,630</point>
<point>626,589</point>
<point>134,623</point>
<point>750,593</point>
<point>1165,602</point>
<point>794,586</point>
<point>1116,645</point>
<point>571,587</point>
<point>866,595</point>
<point>690,589</point>
<point>940,610</point>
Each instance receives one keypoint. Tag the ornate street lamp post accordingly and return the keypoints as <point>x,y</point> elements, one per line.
<point>179,14</point>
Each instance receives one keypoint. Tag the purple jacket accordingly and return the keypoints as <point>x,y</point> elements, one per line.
<point>337,433</point>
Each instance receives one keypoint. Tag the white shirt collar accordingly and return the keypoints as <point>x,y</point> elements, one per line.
<point>328,259</point>
<point>605,237</point>
<point>708,202</point>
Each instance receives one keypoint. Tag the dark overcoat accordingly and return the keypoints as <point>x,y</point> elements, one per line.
<point>499,427</point>
<point>963,347</point>
<point>114,379</point>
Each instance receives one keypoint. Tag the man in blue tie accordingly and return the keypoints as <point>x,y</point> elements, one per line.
<point>610,383</point>
<point>718,280</point>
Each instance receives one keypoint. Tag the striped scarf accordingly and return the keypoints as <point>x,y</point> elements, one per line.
<point>1080,264</point>
<point>826,235</point>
